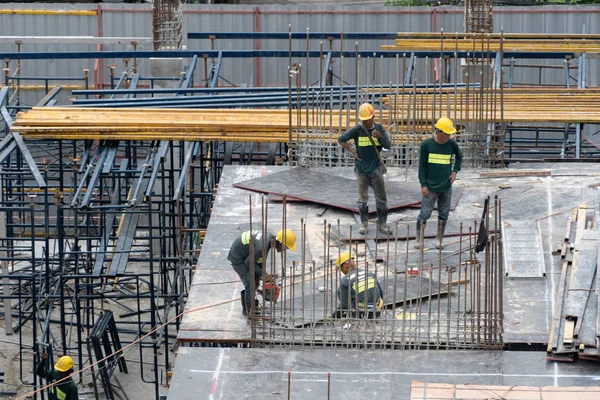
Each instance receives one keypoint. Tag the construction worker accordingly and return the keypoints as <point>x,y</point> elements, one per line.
<point>65,389</point>
<point>358,291</point>
<point>240,258</point>
<point>369,138</point>
<point>436,176</point>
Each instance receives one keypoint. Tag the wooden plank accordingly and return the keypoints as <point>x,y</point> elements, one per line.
<point>511,173</point>
<point>598,296</point>
<point>558,306</point>
<point>569,328</point>
<point>449,391</point>
<point>580,226</point>
<point>582,278</point>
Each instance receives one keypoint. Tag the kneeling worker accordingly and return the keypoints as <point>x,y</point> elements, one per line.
<point>356,290</point>
<point>240,258</point>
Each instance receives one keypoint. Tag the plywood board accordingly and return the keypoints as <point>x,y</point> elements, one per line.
<point>335,191</point>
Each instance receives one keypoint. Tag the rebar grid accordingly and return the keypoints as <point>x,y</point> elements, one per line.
<point>65,257</point>
<point>479,16</point>
<point>166,24</point>
<point>448,300</point>
<point>468,91</point>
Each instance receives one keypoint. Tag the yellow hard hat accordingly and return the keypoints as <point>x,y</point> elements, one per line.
<point>64,364</point>
<point>366,111</point>
<point>445,125</point>
<point>343,257</point>
<point>290,239</point>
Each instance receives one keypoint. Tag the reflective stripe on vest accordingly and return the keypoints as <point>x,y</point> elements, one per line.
<point>60,395</point>
<point>363,285</point>
<point>246,236</point>
<point>364,141</point>
<point>439,158</point>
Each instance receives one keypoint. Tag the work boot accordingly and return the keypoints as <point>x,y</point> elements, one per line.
<point>382,213</point>
<point>245,309</point>
<point>440,234</point>
<point>418,237</point>
<point>363,209</point>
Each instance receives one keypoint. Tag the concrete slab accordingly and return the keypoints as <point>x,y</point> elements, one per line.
<point>549,200</point>
<point>359,374</point>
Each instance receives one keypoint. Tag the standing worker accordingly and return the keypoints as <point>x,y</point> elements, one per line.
<point>436,176</point>
<point>240,258</point>
<point>65,389</point>
<point>369,138</point>
<point>357,290</point>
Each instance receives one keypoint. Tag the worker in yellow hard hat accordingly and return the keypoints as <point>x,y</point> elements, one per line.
<point>358,291</point>
<point>65,389</point>
<point>437,173</point>
<point>369,138</point>
<point>241,259</point>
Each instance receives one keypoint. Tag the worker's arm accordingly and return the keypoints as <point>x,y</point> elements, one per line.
<point>42,367</point>
<point>257,262</point>
<point>458,156</point>
<point>380,290</point>
<point>343,141</point>
<point>423,154</point>
<point>343,294</point>
<point>381,135</point>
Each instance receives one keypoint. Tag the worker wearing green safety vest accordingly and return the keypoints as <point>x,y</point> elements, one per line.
<point>65,389</point>
<point>437,173</point>
<point>358,292</point>
<point>240,257</point>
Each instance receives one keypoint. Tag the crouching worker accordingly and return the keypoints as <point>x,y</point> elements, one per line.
<point>240,258</point>
<point>358,291</point>
<point>65,389</point>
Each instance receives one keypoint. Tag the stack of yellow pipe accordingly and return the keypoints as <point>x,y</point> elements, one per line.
<point>492,42</point>
<point>560,107</point>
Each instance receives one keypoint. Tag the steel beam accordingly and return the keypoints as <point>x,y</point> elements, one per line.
<point>24,150</point>
<point>216,70</point>
<point>283,90</point>
<point>74,55</point>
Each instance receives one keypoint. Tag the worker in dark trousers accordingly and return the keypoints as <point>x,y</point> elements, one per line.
<point>358,291</point>
<point>65,389</point>
<point>240,258</point>
<point>436,176</point>
<point>369,138</point>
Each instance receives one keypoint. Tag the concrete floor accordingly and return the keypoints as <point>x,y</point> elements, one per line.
<point>529,303</point>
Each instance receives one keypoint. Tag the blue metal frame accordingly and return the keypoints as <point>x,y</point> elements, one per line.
<point>567,75</point>
<point>498,70</point>
<point>216,70</point>
<point>24,150</point>
<point>133,85</point>
<point>581,84</point>
<point>410,69</point>
<point>45,101</point>
<point>324,81</point>
<point>71,55</point>
<point>282,89</point>
<point>212,101</point>
<point>119,83</point>
<point>189,75</point>
<point>190,156</point>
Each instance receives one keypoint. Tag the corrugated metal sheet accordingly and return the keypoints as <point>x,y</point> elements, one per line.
<point>126,20</point>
